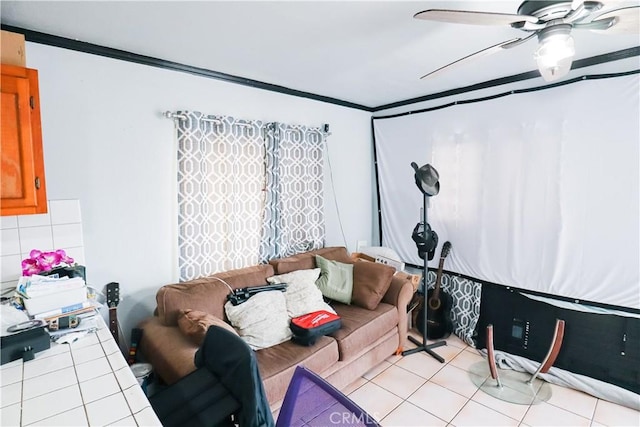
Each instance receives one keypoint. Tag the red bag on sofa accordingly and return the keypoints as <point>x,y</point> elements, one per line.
<point>307,328</point>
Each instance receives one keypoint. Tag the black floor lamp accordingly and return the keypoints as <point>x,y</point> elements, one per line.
<point>427,181</point>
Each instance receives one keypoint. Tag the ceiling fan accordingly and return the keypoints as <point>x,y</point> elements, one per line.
<point>552,23</point>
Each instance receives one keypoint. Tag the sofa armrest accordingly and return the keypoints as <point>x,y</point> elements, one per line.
<point>168,350</point>
<point>399,294</point>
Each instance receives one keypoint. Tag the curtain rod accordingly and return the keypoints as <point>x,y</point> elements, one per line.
<point>175,116</point>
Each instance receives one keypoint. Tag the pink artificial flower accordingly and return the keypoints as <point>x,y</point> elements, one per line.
<point>64,257</point>
<point>35,254</point>
<point>40,261</point>
<point>48,260</point>
<point>30,267</point>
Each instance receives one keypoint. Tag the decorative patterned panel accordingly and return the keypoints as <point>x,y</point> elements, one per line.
<point>244,198</point>
<point>294,217</point>
<point>220,193</point>
<point>466,303</point>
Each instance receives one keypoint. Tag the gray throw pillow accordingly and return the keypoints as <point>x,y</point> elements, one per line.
<point>336,279</point>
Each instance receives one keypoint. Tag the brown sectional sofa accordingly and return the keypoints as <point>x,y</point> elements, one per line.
<point>366,338</point>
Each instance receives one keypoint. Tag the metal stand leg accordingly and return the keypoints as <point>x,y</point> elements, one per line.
<point>551,356</point>
<point>491,357</point>
<point>422,346</point>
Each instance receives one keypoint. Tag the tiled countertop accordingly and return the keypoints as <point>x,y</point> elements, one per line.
<point>85,383</point>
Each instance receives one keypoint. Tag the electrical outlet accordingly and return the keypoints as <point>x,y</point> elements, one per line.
<point>361,244</point>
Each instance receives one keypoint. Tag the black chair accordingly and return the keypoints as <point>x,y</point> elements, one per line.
<point>226,389</point>
<point>199,399</point>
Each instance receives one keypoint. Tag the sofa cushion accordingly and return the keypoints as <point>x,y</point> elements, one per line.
<point>336,279</point>
<point>306,260</point>
<point>361,327</point>
<point>207,294</point>
<point>278,363</point>
<point>371,281</point>
<point>262,320</point>
<point>195,324</point>
<point>302,294</point>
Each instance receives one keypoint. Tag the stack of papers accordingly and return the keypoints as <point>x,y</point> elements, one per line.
<point>37,286</point>
<point>48,296</point>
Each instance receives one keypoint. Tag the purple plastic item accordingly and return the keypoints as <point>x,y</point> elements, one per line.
<point>310,401</point>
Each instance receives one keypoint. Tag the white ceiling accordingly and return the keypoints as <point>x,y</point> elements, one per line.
<point>370,53</point>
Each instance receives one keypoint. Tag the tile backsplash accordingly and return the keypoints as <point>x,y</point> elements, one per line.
<point>60,228</point>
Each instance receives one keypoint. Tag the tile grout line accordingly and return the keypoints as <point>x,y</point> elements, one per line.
<point>525,413</point>
<point>122,390</point>
<point>595,409</point>
<point>479,390</point>
<point>84,404</point>
<point>21,390</point>
<point>453,391</point>
<point>575,413</point>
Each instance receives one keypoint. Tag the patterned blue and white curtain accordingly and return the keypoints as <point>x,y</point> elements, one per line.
<point>247,192</point>
<point>465,311</point>
<point>220,193</point>
<point>294,214</point>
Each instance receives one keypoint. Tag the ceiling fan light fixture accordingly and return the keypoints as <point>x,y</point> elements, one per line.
<point>552,21</point>
<point>555,52</point>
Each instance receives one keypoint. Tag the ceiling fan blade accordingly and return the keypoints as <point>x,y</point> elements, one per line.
<point>484,52</point>
<point>471,17</point>
<point>578,11</point>
<point>600,24</point>
<point>626,20</point>
<point>576,3</point>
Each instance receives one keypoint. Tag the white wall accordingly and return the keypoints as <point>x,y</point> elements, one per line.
<point>107,145</point>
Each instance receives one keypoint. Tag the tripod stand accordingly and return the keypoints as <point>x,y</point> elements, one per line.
<point>423,182</point>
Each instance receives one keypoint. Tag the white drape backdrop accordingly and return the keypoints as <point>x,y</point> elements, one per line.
<point>539,190</point>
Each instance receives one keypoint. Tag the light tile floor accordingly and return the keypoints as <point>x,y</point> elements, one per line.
<point>417,390</point>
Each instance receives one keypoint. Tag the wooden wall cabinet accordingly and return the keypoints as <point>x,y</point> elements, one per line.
<point>22,184</point>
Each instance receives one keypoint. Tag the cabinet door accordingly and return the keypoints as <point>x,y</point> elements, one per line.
<point>22,185</point>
